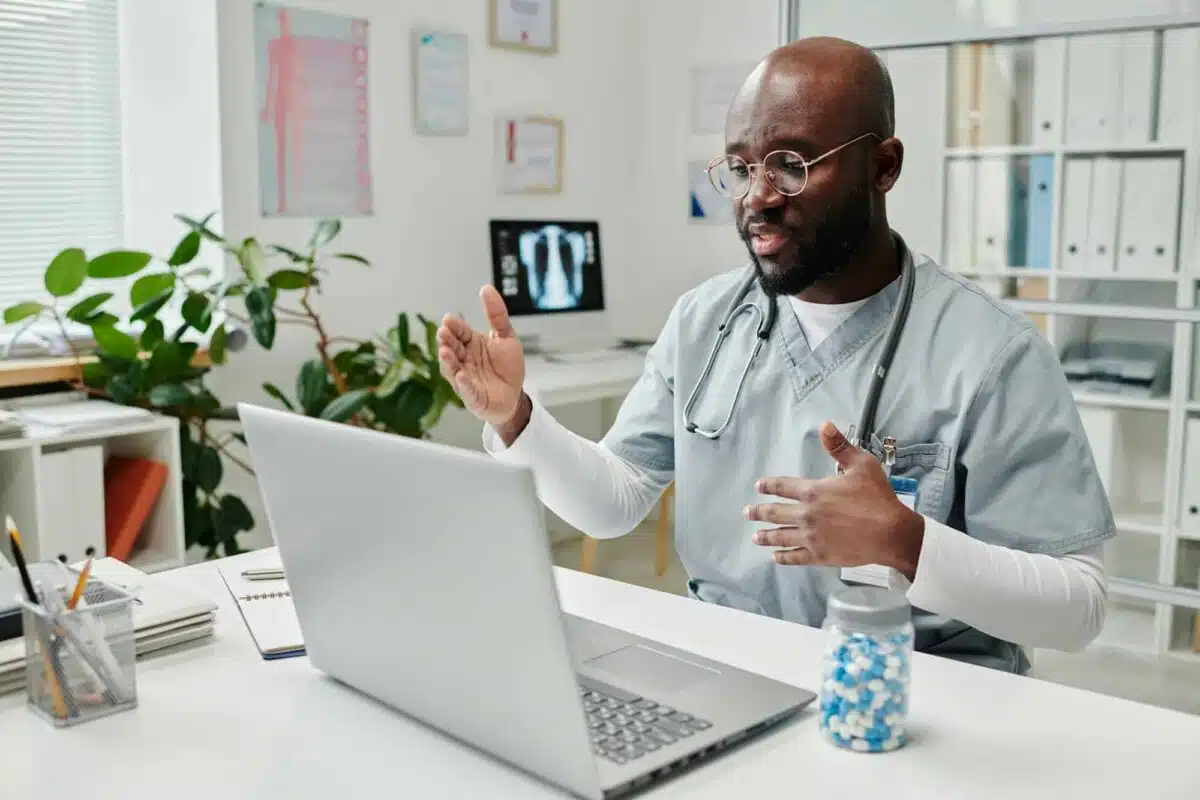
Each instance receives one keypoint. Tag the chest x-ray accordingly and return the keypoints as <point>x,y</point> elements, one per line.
<point>553,259</point>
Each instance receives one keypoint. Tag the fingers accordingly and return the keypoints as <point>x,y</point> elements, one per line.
<point>797,557</point>
<point>448,363</point>
<point>454,329</point>
<point>786,536</point>
<point>844,453</point>
<point>496,312</point>
<point>791,488</point>
<point>456,346</point>
<point>795,514</point>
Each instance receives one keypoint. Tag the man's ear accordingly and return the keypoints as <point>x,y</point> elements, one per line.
<point>889,158</point>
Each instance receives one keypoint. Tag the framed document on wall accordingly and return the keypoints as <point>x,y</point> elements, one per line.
<point>530,25</point>
<point>529,152</point>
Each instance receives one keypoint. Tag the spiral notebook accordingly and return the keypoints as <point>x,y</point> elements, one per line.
<point>266,607</point>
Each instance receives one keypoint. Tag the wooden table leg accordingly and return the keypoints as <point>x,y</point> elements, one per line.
<point>587,556</point>
<point>663,543</point>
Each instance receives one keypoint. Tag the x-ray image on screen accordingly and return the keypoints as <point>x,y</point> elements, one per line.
<point>547,266</point>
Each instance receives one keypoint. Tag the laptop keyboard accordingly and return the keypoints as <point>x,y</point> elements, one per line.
<point>625,727</point>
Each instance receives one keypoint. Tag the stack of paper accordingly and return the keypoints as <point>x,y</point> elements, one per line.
<point>79,417</point>
<point>163,616</point>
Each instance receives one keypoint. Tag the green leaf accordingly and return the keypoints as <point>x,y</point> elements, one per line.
<point>275,392</point>
<point>95,374</point>
<point>241,437</point>
<point>324,232</point>
<point>170,394</point>
<point>292,254</point>
<point>310,386</point>
<point>253,261</point>
<point>85,307</point>
<point>391,380</point>
<point>346,406</point>
<point>216,345</point>
<point>148,287</point>
<point>262,316</point>
<point>398,338</point>
<point>201,226</point>
<point>431,346</point>
<point>152,334</point>
<point>186,250</point>
<point>101,319</point>
<point>152,306</point>
<point>20,311</point>
<point>235,515</point>
<point>205,402</point>
<point>115,342</point>
<point>403,410</point>
<point>208,469</point>
<point>353,257</point>
<point>66,272</point>
<point>197,312</point>
<point>122,389</point>
<point>118,264</point>
<point>290,279</point>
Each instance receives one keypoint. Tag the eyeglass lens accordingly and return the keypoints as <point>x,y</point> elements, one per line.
<point>787,172</point>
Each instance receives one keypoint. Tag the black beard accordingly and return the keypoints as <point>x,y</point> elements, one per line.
<point>836,239</point>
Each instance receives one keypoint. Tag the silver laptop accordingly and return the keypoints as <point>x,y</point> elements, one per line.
<point>422,576</point>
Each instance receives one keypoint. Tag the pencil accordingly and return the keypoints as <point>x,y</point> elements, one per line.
<point>82,582</point>
<point>50,667</point>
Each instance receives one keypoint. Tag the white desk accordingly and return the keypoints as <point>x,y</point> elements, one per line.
<point>559,384</point>
<point>217,722</point>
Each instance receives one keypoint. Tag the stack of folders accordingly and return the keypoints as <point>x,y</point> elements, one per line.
<point>261,592</point>
<point>163,616</point>
<point>11,426</point>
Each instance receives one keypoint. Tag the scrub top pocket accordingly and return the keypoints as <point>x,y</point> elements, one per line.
<point>926,462</point>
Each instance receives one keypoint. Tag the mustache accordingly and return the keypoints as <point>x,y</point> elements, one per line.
<point>772,216</point>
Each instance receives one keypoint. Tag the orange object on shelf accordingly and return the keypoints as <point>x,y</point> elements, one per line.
<point>131,488</point>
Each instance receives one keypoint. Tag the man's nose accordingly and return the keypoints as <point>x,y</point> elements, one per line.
<point>761,193</point>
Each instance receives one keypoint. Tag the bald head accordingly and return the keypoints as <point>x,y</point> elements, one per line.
<point>820,113</point>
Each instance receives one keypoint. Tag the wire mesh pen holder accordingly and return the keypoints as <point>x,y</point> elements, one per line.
<point>80,663</point>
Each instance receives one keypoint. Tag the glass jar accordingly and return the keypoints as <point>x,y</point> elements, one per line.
<point>868,652</point>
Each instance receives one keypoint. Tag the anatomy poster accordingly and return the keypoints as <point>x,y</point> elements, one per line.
<point>314,158</point>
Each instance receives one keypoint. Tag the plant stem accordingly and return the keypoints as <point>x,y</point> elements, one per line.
<point>323,341</point>
<point>71,344</point>
<point>205,438</point>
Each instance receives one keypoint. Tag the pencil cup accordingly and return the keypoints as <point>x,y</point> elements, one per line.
<point>80,663</point>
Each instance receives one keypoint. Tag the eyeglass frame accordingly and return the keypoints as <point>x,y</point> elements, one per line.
<point>766,175</point>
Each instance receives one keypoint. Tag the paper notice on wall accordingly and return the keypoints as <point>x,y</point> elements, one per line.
<point>712,92</point>
<point>529,150</point>
<point>440,77</point>
<point>311,70</point>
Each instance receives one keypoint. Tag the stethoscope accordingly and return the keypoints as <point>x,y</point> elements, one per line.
<point>766,322</point>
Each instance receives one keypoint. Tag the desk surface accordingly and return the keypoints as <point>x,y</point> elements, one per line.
<point>216,721</point>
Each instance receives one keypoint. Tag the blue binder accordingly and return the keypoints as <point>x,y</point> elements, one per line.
<point>1039,212</point>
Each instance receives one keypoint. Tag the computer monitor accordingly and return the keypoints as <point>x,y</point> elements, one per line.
<point>550,275</point>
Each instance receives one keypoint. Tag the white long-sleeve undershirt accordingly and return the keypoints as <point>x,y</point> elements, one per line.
<point>1031,599</point>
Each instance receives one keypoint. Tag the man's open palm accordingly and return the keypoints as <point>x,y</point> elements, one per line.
<point>487,370</point>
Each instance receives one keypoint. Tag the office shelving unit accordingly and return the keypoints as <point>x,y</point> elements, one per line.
<point>1007,100</point>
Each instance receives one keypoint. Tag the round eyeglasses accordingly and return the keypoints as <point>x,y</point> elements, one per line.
<point>784,170</point>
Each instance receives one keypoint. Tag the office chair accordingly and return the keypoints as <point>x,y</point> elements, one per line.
<point>662,544</point>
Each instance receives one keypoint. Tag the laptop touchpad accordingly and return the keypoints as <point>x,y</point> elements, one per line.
<point>648,669</point>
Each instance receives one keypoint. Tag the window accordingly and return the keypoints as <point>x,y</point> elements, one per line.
<point>60,137</point>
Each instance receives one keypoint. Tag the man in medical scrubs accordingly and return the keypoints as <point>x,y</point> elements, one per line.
<point>1001,552</point>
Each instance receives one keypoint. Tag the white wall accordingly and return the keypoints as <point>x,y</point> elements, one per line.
<point>673,37</point>
<point>433,196</point>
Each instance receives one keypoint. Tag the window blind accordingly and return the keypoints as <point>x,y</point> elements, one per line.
<point>60,137</point>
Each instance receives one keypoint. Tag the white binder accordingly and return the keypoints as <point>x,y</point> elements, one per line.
<point>1137,86</point>
<point>964,97</point>
<point>1177,92</point>
<point>1149,216</point>
<point>1049,65</point>
<point>71,511</point>
<point>1189,498</point>
<point>960,214</point>
<point>1076,210</point>
<point>993,200</point>
<point>1093,94</point>
<point>1100,428</point>
<point>1104,215</point>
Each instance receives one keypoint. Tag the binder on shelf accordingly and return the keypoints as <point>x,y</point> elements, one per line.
<point>1049,65</point>
<point>993,183</point>
<point>1103,215</point>
<point>1138,53</point>
<point>963,113</point>
<point>1189,496</point>
<point>1149,227</point>
<point>1039,212</point>
<point>71,511</point>
<point>1180,72</point>
<point>1100,428</point>
<point>131,490</point>
<point>1076,209</point>
<point>960,214</point>
<point>997,91</point>
<point>1092,96</point>
<point>1018,213</point>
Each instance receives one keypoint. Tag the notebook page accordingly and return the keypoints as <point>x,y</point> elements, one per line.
<point>266,607</point>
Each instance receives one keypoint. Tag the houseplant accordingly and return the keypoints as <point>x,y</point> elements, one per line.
<point>150,359</point>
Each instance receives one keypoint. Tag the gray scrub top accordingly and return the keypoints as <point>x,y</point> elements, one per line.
<point>976,399</point>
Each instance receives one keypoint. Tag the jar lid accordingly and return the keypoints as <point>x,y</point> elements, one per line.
<point>869,607</point>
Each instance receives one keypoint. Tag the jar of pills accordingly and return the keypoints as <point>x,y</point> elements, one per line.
<point>864,688</point>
